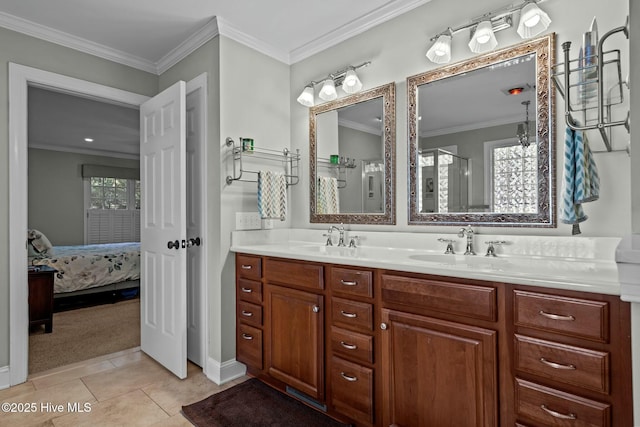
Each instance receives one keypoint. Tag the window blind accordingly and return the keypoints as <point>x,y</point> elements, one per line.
<point>112,226</point>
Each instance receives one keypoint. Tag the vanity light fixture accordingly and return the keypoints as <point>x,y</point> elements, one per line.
<point>440,51</point>
<point>328,91</point>
<point>533,21</point>
<point>346,77</point>
<point>483,38</point>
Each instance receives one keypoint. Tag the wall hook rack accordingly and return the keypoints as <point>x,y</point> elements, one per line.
<point>591,109</point>
<point>290,161</point>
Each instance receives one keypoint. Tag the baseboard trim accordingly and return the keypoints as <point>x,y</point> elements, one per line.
<point>224,372</point>
<point>5,377</point>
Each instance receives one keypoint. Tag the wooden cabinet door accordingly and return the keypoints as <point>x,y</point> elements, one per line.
<point>295,339</point>
<point>437,373</point>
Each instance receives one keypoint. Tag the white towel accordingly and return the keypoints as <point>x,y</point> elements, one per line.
<point>327,196</point>
<point>272,195</point>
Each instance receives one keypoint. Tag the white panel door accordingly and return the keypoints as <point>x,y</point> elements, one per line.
<point>195,261</point>
<point>163,286</point>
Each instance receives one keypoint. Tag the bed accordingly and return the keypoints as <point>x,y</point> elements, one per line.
<point>91,268</point>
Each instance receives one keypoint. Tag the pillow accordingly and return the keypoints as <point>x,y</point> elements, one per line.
<point>38,241</point>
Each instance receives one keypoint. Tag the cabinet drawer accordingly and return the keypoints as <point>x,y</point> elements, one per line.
<point>568,316</point>
<point>352,344</point>
<point>351,281</point>
<point>549,407</point>
<point>572,365</point>
<point>249,267</point>
<point>352,314</point>
<point>250,291</point>
<point>352,389</point>
<point>479,302</point>
<point>299,274</point>
<point>249,313</point>
<point>249,345</point>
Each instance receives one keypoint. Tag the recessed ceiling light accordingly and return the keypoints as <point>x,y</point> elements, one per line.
<point>88,140</point>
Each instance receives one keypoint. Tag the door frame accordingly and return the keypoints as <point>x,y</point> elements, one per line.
<point>20,78</point>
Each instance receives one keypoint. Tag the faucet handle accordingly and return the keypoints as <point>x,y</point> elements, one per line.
<point>449,243</point>
<point>353,240</point>
<point>329,241</point>
<point>491,250</point>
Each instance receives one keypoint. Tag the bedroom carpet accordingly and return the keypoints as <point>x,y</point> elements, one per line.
<point>85,333</point>
<point>254,404</point>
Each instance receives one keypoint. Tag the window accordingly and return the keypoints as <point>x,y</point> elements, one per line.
<point>114,193</point>
<point>112,210</point>
<point>513,178</point>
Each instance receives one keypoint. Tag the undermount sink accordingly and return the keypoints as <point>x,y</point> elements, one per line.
<point>470,261</point>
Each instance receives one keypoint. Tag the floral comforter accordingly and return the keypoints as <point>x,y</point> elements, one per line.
<point>89,266</point>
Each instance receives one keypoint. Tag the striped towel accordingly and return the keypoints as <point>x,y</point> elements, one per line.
<point>581,180</point>
<point>272,195</point>
<point>327,196</point>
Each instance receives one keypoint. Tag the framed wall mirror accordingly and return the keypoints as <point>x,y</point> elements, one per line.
<point>481,140</point>
<point>352,158</point>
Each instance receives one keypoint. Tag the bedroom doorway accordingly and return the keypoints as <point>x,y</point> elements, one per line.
<point>20,79</point>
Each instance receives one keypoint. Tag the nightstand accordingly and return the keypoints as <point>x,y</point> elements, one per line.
<point>41,296</point>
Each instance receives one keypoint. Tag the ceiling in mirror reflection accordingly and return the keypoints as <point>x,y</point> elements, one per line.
<point>477,99</point>
<point>364,116</point>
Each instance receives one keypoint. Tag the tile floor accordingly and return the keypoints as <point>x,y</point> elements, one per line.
<point>127,388</point>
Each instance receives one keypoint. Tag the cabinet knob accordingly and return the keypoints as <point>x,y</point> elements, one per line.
<point>316,309</point>
<point>383,326</point>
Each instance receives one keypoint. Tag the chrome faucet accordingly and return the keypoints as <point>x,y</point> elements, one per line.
<point>469,233</point>
<point>341,231</point>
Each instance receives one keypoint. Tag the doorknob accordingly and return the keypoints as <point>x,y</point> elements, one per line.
<point>193,242</point>
<point>173,245</point>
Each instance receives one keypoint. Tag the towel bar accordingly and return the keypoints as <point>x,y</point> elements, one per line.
<point>290,160</point>
<point>594,113</point>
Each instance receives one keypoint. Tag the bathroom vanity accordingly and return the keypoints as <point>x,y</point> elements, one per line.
<point>375,340</point>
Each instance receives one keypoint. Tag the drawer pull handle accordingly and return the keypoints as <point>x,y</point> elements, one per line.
<point>247,313</point>
<point>570,416</point>
<point>246,267</point>
<point>556,316</point>
<point>348,346</point>
<point>347,314</point>
<point>246,290</point>
<point>557,365</point>
<point>348,377</point>
<point>349,282</point>
<point>247,336</point>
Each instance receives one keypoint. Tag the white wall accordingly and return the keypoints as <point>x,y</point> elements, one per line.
<point>254,103</point>
<point>634,37</point>
<point>397,50</point>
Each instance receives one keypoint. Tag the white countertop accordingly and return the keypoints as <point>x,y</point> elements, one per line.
<point>569,263</point>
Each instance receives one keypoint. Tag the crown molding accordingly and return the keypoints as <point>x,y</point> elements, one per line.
<point>30,28</point>
<point>360,127</point>
<point>353,28</point>
<point>507,120</point>
<point>205,33</point>
<point>88,151</point>
<point>216,26</point>
<point>227,29</point>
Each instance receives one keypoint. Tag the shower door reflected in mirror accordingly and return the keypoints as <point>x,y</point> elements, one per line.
<point>352,143</point>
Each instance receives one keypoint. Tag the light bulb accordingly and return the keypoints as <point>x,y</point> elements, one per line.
<point>440,51</point>
<point>306,97</point>
<point>328,91</point>
<point>351,83</point>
